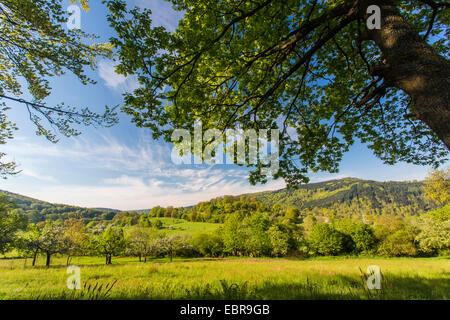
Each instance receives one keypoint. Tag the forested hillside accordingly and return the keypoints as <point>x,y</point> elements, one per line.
<point>38,210</point>
<point>350,195</point>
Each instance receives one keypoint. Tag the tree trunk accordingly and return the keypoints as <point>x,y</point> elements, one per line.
<point>47,262</point>
<point>145,259</point>
<point>413,66</point>
<point>68,260</point>
<point>140,258</point>
<point>106,259</point>
<point>34,258</point>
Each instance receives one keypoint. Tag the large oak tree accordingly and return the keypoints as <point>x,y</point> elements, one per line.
<point>312,69</point>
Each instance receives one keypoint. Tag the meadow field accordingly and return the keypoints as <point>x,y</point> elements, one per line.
<point>231,278</point>
<point>184,227</point>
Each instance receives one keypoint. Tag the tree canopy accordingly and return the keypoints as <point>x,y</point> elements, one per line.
<point>312,69</point>
<point>437,186</point>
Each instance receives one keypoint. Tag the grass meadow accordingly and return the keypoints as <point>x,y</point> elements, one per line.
<point>231,278</point>
<point>181,226</point>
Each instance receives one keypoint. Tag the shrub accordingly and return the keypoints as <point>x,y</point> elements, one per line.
<point>209,245</point>
<point>400,243</point>
<point>434,237</point>
<point>325,240</point>
<point>364,238</point>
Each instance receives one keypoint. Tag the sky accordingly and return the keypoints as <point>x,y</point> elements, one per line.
<point>122,167</point>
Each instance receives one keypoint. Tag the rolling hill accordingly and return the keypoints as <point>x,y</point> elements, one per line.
<point>352,195</point>
<point>38,210</point>
<point>341,197</point>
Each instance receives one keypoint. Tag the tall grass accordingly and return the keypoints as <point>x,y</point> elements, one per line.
<point>337,278</point>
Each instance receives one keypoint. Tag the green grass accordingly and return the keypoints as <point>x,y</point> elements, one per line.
<point>181,226</point>
<point>234,278</point>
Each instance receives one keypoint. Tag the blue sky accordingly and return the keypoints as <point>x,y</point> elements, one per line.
<point>122,167</point>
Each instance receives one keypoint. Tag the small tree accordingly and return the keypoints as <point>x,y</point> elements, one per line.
<point>279,240</point>
<point>235,234</point>
<point>75,238</point>
<point>144,220</point>
<point>258,242</point>
<point>11,221</point>
<point>364,238</point>
<point>437,186</point>
<point>292,213</point>
<point>308,223</point>
<point>157,224</point>
<point>173,244</point>
<point>361,234</point>
<point>400,243</point>
<point>52,240</point>
<point>140,243</point>
<point>110,243</point>
<point>208,244</point>
<point>434,236</point>
<point>29,242</point>
<point>325,240</point>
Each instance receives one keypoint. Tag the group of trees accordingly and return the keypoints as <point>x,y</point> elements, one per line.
<point>248,229</point>
<point>73,238</point>
<point>242,234</point>
<point>259,235</point>
<point>391,236</point>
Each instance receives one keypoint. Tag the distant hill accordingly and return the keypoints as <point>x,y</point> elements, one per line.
<point>107,209</point>
<point>338,198</point>
<point>342,197</point>
<point>352,195</point>
<point>38,210</point>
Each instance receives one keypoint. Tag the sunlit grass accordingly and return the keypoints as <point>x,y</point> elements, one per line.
<point>335,278</point>
<point>181,226</point>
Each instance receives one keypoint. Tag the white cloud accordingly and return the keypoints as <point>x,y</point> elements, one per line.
<point>35,175</point>
<point>115,81</point>
<point>162,13</point>
<point>132,193</point>
<point>126,176</point>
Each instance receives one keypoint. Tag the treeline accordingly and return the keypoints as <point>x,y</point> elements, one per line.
<point>242,234</point>
<point>333,199</point>
<point>213,211</point>
<point>249,229</point>
<point>338,198</point>
<point>259,235</point>
<point>38,211</point>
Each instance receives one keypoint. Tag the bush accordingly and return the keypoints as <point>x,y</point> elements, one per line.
<point>279,240</point>
<point>325,240</point>
<point>400,243</point>
<point>363,237</point>
<point>208,245</point>
<point>434,237</point>
<point>441,214</point>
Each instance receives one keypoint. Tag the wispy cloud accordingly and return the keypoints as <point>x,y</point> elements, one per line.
<point>115,81</point>
<point>127,176</point>
<point>133,193</point>
<point>35,175</point>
